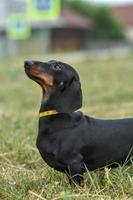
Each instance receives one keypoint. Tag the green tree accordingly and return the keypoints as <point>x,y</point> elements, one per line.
<point>106,26</point>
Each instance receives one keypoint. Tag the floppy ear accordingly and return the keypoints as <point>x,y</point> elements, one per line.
<point>70,98</point>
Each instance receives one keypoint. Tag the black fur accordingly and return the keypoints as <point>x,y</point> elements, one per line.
<point>71,141</point>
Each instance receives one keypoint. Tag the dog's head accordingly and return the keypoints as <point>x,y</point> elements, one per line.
<point>60,83</point>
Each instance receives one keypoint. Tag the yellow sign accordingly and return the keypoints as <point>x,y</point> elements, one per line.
<point>18,27</point>
<point>44,9</point>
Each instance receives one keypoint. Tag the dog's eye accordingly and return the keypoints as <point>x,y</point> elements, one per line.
<point>56,67</point>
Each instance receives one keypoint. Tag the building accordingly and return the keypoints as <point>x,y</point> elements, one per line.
<point>124,13</point>
<point>68,32</point>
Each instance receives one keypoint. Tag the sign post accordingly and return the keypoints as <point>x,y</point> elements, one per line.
<point>18,27</point>
<point>44,9</point>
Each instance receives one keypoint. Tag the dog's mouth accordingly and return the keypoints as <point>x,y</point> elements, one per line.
<point>35,72</point>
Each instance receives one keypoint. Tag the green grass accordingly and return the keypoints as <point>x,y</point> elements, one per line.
<point>108,93</point>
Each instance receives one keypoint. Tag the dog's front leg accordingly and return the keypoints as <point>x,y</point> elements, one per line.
<point>75,173</point>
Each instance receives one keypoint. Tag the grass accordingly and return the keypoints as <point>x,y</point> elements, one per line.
<point>108,93</point>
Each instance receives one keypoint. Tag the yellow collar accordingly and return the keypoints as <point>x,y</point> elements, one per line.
<point>47,113</point>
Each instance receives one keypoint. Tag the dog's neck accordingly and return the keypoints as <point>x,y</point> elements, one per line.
<point>52,107</point>
<point>46,107</point>
<point>48,110</point>
<point>45,104</point>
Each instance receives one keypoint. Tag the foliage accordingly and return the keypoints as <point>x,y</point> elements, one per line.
<point>106,26</point>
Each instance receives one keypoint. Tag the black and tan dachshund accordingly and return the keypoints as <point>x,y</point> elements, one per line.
<point>70,141</point>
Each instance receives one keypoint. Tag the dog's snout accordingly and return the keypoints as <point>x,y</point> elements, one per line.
<point>28,63</point>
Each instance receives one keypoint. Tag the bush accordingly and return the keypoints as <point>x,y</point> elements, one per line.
<point>106,26</point>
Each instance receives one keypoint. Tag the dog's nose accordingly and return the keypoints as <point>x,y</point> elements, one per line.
<point>28,63</point>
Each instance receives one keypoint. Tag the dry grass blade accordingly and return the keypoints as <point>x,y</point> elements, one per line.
<point>36,195</point>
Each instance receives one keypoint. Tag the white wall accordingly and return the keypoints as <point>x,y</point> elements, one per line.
<point>3,13</point>
<point>129,33</point>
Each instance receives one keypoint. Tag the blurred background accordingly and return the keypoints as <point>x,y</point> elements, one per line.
<point>30,27</point>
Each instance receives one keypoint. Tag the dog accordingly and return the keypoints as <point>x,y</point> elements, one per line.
<point>68,140</point>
